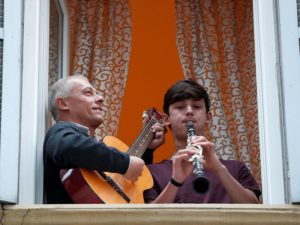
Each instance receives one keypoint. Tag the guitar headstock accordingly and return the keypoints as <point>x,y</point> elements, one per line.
<point>153,113</point>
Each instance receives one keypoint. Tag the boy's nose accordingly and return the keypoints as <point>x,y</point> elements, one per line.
<point>189,110</point>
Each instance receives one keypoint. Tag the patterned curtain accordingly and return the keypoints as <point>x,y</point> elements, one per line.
<point>99,43</point>
<point>215,41</point>
<point>53,44</point>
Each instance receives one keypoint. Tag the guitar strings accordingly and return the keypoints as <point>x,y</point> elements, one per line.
<point>146,137</point>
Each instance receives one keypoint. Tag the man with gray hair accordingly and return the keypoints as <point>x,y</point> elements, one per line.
<point>77,110</point>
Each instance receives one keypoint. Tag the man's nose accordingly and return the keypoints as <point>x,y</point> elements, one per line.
<point>99,98</point>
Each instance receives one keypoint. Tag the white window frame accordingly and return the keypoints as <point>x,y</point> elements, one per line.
<point>290,69</point>
<point>35,90</point>
<point>11,101</point>
<point>65,39</point>
<point>278,82</point>
<point>34,100</point>
<point>269,101</point>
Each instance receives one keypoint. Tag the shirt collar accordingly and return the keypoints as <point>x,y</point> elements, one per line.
<point>85,129</point>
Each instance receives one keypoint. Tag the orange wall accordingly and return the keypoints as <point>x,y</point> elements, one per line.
<point>154,66</point>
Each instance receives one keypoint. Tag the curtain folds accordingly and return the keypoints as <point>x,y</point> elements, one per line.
<point>100,43</point>
<point>215,42</point>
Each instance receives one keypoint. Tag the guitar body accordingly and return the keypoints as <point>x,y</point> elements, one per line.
<point>86,186</point>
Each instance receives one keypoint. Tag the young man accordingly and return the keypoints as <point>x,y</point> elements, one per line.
<point>77,109</point>
<point>230,181</point>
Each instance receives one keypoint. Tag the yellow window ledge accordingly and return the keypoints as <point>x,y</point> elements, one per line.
<point>187,214</point>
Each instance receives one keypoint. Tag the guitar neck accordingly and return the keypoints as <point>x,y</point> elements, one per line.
<point>144,138</point>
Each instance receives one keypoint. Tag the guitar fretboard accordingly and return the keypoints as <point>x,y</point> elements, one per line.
<point>145,137</point>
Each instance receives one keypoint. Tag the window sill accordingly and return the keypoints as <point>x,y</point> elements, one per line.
<point>216,214</point>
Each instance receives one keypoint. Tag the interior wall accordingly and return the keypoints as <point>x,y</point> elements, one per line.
<point>154,66</point>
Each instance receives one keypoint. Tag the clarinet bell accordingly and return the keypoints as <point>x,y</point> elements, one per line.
<point>201,184</point>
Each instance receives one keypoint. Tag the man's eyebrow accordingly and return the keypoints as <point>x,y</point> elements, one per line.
<point>90,89</point>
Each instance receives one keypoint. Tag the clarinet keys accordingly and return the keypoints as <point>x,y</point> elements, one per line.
<point>200,184</point>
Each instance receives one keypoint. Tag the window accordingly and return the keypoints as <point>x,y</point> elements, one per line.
<point>22,148</point>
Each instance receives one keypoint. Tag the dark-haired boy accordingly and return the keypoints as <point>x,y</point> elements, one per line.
<point>230,180</point>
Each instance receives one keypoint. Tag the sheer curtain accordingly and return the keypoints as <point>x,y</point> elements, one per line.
<point>99,43</point>
<point>215,41</point>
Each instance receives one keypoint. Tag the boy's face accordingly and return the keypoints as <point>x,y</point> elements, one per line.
<point>182,111</point>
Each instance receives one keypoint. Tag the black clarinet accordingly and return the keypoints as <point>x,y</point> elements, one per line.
<point>200,183</point>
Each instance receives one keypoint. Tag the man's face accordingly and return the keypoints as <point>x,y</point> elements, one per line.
<point>182,111</point>
<point>84,104</point>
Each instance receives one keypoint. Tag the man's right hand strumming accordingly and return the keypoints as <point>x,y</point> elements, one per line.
<point>135,168</point>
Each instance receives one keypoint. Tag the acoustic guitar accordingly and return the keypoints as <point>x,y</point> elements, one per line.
<point>86,186</point>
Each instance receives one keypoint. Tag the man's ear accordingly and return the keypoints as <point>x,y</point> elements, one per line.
<point>61,104</point>
<point>208,117</point>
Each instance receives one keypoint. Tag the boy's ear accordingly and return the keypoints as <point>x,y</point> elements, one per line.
<point>208,117</point>
<point>61,104</point>
<point>166,119</point>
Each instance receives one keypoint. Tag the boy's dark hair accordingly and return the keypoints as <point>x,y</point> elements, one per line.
<point>185,89</point>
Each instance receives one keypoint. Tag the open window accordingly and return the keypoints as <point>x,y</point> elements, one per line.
<point>26,72</point>
<point>126,45</point>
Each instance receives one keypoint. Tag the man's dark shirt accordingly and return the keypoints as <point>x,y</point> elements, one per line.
<point>68,145</point>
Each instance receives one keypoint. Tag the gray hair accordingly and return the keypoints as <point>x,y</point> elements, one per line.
<point>61,88</point>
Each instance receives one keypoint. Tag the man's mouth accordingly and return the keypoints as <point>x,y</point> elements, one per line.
<point>98,109</point>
